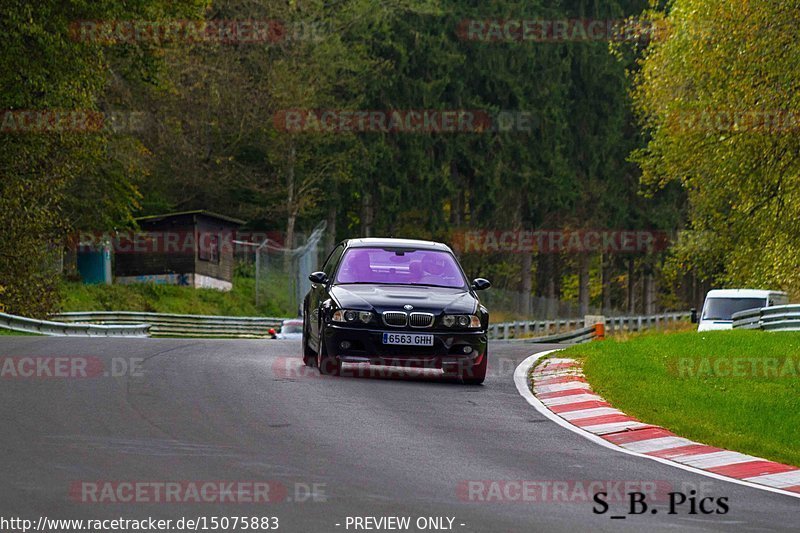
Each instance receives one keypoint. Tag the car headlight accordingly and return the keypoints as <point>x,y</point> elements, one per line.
<point>461,321</point>
<point>350,316</point>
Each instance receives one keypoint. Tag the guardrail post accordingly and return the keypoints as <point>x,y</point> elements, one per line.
<point>505,331</point>
<point>599,323</point>
<point>600,331</point>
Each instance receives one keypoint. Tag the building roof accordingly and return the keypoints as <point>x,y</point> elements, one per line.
<point>203,212</point>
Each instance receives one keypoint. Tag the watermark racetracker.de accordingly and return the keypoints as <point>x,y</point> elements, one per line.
<point>718,121</point>
<point>78,121</point>
<point>701,367</point>
<point>175,492</point>
<point>538,30</point>
<point>36,367</point>
<point>204,32</point>
<point>413,121</point>
<point>172,242</point>
<point>292,367</point>
<point>556,241</point>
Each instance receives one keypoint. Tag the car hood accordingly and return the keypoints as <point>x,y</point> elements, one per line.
<point>380,298</point>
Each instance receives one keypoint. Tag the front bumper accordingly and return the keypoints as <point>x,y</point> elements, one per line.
<point>450,348</point>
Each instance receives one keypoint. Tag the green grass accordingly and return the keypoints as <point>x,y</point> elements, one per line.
<point>240,301</point>
<point>671,381</point>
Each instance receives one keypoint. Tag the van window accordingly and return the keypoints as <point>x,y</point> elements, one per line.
<point>724,308</point>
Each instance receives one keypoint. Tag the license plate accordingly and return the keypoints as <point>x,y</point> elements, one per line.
<point>408,339</point>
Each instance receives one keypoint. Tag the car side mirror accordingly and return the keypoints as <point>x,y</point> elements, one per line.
<point>481,284</point>
<point>318,277</point>
<point>693,315</point>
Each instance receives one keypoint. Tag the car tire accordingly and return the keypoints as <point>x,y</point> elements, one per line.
<point>476,374</point>
<point>329,366</point>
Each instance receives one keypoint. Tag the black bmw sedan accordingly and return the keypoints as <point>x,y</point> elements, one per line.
<point>395,302</point>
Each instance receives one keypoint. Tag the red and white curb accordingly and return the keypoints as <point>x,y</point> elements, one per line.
<point>563,395</point>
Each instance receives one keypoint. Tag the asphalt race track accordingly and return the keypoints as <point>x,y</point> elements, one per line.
<point>241,410</point>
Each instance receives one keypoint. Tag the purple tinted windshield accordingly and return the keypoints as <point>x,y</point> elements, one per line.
<point>400,267</point>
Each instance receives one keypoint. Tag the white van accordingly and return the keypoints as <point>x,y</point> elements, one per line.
<point>721,304</point>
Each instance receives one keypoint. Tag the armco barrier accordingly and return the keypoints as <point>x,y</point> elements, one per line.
<point>537,328</point>
<point>576,336</point>
<point>174,325</point>
<point>776,318</point>
<point>749,319</point>
<point>62,329</point>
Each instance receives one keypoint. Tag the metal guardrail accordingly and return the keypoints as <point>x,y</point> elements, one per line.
<point>638,323</point>
<point>177,325</point>
<point>536,328</point>
<point>576,336</point>
<point>748,319</point>
<point>776,318</point>
<point>62,329</point>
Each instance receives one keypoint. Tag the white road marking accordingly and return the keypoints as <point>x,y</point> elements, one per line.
<point>562,386</point>
<point>784,479</point>
<point>572,398</point>
<point>657,444</point>
<point>595,411</point>
<point>614,427</point>
<point>710,460</point>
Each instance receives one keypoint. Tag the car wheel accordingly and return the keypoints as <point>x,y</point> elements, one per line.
<point>476,374</point>
<point>330,366</point>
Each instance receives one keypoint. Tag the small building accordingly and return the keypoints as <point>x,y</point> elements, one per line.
<point>191,248</point>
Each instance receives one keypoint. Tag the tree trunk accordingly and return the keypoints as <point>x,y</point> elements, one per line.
<point>290,205</point>
<point>526,285</point>
<point>290,199</point>
<point>456,207</point>
<point>583,284</point>
<point>551,287</point>
<point>606,269</point>
<point>367,214</point>
<point>631,286</point>
<point>648,289</point>
<point>330,230</point>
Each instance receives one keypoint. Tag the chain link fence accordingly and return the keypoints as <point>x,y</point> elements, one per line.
<point>281,273</point>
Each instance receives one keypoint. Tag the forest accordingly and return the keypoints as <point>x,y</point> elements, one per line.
<point>598,124</point>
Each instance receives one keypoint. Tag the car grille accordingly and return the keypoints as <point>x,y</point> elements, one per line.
<point>397,319</point>
<point>420,320</point>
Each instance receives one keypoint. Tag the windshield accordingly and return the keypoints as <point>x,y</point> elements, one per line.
<point>724,308</point>
<point>400,267</point>
<point>292,328</point>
